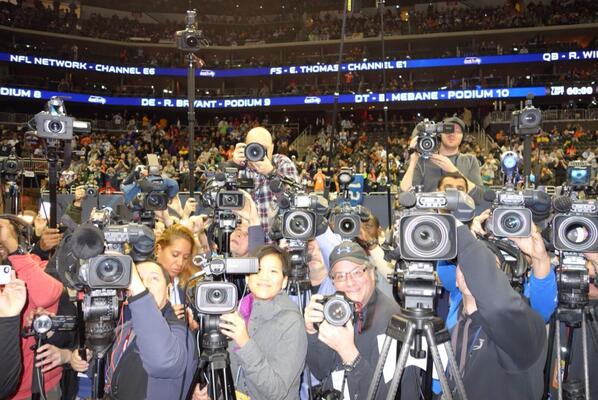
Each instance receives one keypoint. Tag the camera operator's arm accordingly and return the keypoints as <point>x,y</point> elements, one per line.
<point>321,359</point>
<point>256,234</point>
<point>43,290</point>
<point>12,300</point>
<point>517,330</point>
<point>592,265</point>
<point>474,179</point>
<point>541,288</point>
<point>161,346</point>
<point>75,210</point>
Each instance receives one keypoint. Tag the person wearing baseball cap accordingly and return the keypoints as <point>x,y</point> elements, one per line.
<point>343,358</point>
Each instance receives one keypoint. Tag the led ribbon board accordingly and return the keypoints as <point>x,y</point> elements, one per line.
<point>306,69</point>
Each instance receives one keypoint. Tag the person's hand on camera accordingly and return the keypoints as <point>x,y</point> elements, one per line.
<point>535,251</point>
<point>233,326</point>
<point>179,310</point>
<point>314,313</point>
<point>50,238</point>
<point>77,363</point>
<point>592,266</point>
<point>239,154</point>
<point>249,210</point>
<point>12,297</point>
<point>40,223</point>
<point>444,163</point>
<point>136,286</point>
<point>340,339</point>
<point>478,222</point>
<point>200,393</point>
<point>264,167</point>
<point>49,357</point>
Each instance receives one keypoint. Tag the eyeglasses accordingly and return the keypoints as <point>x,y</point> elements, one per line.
<point>356,274</point>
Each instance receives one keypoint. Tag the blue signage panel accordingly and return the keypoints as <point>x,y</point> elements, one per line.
<point>368,98</point>
<point>306,69</point>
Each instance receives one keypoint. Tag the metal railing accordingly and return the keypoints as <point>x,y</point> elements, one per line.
<point>551,115</point>
<point>303,140</point>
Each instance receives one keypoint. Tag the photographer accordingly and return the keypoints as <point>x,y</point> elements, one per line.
<point>499,341</point>
<point>448,160</point>
<point>262,171</point>
<point>153,356</point>
<point>43,291</point>
<point>343,357</point>
<point>12,300</point>
<point>269,345</point>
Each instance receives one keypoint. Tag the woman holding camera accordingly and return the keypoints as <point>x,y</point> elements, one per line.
<point>269,341</point>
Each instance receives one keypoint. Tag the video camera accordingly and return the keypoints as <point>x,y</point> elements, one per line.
<point>10,167</point>
<point>528,120</point>
<point>428,136</point>
<point>190,39</point>
<point>54,124</point>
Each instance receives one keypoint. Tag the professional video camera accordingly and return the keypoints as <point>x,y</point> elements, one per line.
<point>10,167</point>
<point>54,124</point>
<point>153,196</point>
<point>338,309</point>
<point>528,120</point>
<point>100,217</point>
<point>428,136</point>
<point>190,39</point>
<point>346,219</point>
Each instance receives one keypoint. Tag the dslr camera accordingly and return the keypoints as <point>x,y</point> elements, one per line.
<point>190,39</point>
<point>510,217</point>
<point>528,120</point>
<point>427,232</point>
<point>255,152</point>
<point>428,136</point>
<point>338,309</point>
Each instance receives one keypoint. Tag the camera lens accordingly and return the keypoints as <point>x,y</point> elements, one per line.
<point>216,296</point>
<point>578,233</point>
<point>530,118</point>
<point>347,226</point>
<point>191,41</point>
<point>255,152</point>
<point>55,126</point>
<point>337,311</point>
<point>42,324</point>
<point>427,144</point>
<point>110,270</point>
<point>156,201</point>
<point>426,237</point>
<point>511,222</point>
<point>299,225</point>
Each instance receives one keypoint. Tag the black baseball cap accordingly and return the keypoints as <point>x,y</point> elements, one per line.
<point>350,251</point>
<point>455,120</point>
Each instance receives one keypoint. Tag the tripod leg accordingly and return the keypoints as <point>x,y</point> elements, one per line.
<point>212,385</point>
<point>227,384</point>
<point>557,335</point>
<point>549,365</point>
<point>379,368</point>
<point>584,346</point>
<point>454,371</point>
<point>593,320</point>
<point>401,362</point>
<point>433,349</point>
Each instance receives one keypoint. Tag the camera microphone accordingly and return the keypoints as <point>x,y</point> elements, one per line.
<point>489,195</point>
<point>562,204</point>
<point>407,199</point>
<point>87,241</point>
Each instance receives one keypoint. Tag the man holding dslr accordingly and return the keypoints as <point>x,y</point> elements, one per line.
<point>343,358</point>
<point>427,172</point>
<point>266,166</point>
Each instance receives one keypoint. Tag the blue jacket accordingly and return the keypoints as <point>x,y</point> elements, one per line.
<point>542,293</point>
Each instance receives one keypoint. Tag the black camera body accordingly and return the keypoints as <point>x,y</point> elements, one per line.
<point>255,152</point>
<point>338,309</point>
<point>528,120</point>
<point>43,324</point>
<point>10,167</point>
<point>298,217</point>
<point>346,221</point>
<point>428,136</point>
<point>190,39</point>
<point>153,196</point>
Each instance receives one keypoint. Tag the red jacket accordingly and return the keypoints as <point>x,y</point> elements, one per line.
<point>42,291</point>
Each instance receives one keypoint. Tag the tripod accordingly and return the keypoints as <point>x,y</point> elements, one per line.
<point>416,321</point>
<point>214,362</point>
<point>572,318</point>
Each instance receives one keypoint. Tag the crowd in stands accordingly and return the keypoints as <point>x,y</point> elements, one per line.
<point>306,26</point>
<point>105,159</point>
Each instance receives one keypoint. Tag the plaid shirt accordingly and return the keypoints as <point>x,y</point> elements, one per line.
<point>262,194</point>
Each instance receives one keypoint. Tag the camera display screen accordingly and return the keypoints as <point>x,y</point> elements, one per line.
<point>579,176</point>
